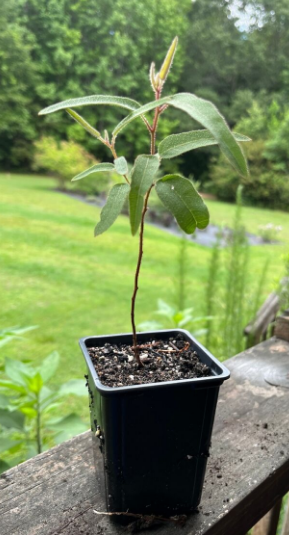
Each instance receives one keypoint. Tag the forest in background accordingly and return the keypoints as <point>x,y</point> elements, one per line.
<point>232,52</point>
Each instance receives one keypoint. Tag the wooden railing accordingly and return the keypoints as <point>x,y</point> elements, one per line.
<point>262,326</point>
<point>59,493</point>
<point>259,329</point>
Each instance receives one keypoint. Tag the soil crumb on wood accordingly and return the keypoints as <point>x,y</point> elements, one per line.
<point>170,360</point>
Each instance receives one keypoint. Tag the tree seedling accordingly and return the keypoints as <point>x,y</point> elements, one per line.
<point>177,193</point>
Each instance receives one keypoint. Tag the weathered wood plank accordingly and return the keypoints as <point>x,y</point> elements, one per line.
<point>265,315</point>
<point>282,327</point>
<point>248,471</point>
<point>269,523</point>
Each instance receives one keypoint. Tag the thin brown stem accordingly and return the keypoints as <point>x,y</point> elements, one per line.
<point>153,130</point>
<point>146,123</point>
<point>38,427</point>
<point>140,253</point>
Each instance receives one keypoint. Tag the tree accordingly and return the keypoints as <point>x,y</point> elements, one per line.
<point>17,74</point>
<point>87,47</point>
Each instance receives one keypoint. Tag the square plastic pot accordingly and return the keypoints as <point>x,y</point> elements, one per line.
<point>151,442</point>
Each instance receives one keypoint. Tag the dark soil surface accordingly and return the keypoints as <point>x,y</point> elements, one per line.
<point>170,360</point>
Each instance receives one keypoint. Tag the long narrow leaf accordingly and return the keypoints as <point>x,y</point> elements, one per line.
<point>80,120</point>
<point>18,371</point>
<point>113,207</point>
<point>205,113</point>
<point>142,177</point>
<point>75,386</point>
<point>97,168</point>
<point>7,443</point>
<point>12,419</point>
<point>177,144</point>
<point>144,109</point>
<point>182,199</point>
<point>122,102</point>
<point>49,366</point>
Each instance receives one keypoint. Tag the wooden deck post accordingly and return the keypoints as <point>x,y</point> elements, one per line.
<point>285,528</point>
<point>269,523</point>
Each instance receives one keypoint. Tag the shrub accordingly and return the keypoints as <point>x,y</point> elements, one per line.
<point>269,233</point>
<point>29,410</point>
<point>268,156</point>
<point>264,187</point>
<point>64,159</point>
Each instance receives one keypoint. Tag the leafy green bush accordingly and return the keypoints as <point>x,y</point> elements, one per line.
<point>65,159</point>
<point>173,319</point>
<point>268,158</point>
<point>29,421</point>
<point>264,187</point>
<point>269,232</point>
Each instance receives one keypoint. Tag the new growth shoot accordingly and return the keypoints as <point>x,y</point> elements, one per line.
<point>177,193</point>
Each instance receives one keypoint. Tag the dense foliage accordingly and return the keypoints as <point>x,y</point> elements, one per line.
<point>51,50</point>
<point>64,159</point>
<point>268,157</point>
<point>29,409</point>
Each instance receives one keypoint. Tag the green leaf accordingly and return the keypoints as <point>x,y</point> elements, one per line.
<point>122,102</point>
<point>4,466</point>
<point>67,427</point>
<point>113,207</point>
<point>205,113</point>
<point>4,401</point>
<point>47,397</point>
<point>181,198</point>
<point>97,168</point>
<point>142,177</point>
<point>35,383</point>
<point>29,412</point>
<point>145,108</point>
<point>49,366</point>
<point>12,333</point>
<point>75,386</point>
<point>14,419</point>
<point>12,386</point>
<point>208,116</point>
<point>18,372</point>
<point>177,144</point>
<point>80,120</point>
<point>150,326</point>
<point>121,165</point>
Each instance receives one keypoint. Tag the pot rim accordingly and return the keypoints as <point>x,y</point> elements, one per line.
<point>220,372</point>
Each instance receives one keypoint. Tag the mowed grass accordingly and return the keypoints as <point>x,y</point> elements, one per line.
<point>56,275</point>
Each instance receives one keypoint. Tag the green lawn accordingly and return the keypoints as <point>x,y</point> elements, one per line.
<point>56,275</point>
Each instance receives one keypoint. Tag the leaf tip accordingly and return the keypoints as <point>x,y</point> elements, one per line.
<point>168,61</point>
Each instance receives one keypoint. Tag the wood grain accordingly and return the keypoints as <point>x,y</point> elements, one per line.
<point>248,471</point>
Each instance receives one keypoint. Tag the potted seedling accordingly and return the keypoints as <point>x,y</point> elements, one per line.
<point>153,395</point>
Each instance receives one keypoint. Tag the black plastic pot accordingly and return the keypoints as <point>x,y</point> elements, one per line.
<point>153,439</point>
